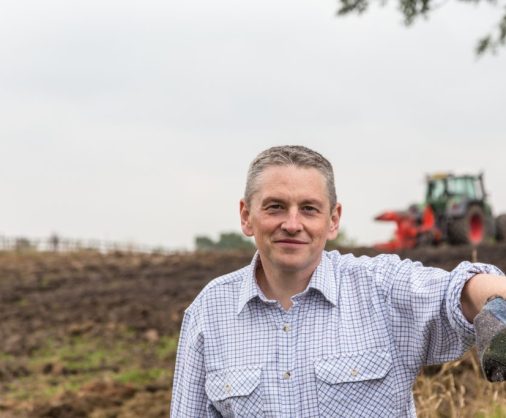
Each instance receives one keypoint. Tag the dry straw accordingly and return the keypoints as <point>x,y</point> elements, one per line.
<point>458,389</point>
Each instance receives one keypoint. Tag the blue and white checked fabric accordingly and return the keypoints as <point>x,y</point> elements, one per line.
<point>350,346</point>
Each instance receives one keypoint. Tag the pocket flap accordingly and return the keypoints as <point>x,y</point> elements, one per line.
<point>237,381</point>
<point>358,367</point>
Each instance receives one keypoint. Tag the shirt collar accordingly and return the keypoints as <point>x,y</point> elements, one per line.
<point>249,287</point>
<point>322,280</point>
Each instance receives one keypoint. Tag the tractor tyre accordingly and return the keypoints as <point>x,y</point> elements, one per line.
<point>470,229</point>
<point>500,227</point>
<point>490,228</point>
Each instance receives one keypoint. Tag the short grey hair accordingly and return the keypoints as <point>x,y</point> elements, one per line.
<point>286,155</point>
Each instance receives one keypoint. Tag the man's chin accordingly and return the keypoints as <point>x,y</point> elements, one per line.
<point>292,264</point>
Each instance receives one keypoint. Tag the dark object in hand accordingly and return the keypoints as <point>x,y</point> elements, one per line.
<point>490,327</point>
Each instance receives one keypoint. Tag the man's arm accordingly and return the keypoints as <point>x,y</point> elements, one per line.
<point>478,290</point>
<point>188,392</point>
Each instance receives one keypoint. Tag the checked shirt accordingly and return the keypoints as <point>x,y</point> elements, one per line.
<point>351,345</point>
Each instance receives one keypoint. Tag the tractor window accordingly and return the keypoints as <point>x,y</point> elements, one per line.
<point>436,190</point>
<point>463,187</point>
<point>478,190</point>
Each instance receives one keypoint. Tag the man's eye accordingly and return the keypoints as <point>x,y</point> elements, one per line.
<point>309,209</point>
<point>274,207</point>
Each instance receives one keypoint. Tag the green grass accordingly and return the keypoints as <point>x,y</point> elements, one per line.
<point>498,412</point>
<point>85,354</point>
<point>5,358</point>
<point>23,302</point>
<point>166,347</point>
<point>68,365</point>
<point>43,387</point>
<point>138,377</point>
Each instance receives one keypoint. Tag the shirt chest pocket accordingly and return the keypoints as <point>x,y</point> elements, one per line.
<point>236,392</point>
<point>356,385</point>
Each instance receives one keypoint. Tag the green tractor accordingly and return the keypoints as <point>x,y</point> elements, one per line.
<point>456,211</point>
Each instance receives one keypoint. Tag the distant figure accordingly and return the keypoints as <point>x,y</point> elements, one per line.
<point>301,332</point>
<point>54,242</point>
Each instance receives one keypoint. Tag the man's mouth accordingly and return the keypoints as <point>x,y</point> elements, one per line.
<point>289,241</point>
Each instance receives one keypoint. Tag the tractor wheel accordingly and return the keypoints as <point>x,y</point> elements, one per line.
<point>425,239</point>
<point>468,230</point>
<point>500,227</point>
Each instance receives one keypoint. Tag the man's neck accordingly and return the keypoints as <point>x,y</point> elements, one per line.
<point>282,285</point>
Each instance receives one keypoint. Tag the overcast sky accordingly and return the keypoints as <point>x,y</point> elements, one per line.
<point>136,121</point>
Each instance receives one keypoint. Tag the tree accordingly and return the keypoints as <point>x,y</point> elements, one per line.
<point>204,243</point>
<point>415,9</point>
<point>342,240</point>
<point>24,244</point>
<point>234,241</point>
<point>227,241</point>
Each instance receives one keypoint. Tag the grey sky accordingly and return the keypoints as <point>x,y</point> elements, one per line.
<point>137,120</point>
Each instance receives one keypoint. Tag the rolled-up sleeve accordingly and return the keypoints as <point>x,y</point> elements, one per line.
<point>458,278</point>
<point>425,308</point>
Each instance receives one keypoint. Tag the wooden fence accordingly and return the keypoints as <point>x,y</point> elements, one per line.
<point>56,243</point>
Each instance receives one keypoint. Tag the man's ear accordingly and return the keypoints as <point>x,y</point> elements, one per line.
<point>245,219</point>
<point>335,217</point>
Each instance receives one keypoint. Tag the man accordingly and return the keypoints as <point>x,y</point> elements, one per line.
<point>301,332</point>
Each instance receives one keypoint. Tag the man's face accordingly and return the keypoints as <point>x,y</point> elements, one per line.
<point>290,217</point>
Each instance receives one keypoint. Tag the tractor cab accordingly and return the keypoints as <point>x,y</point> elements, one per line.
<point>450,195</point>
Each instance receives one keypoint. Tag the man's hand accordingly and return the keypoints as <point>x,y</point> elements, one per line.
<point>490,327</point>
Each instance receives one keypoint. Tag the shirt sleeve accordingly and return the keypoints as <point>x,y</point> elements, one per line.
<point>189,398</point>
<point>425,310</point>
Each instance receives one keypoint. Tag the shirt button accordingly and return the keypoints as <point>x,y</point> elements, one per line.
<point>286,327</point>
<point>354,372</point>
<point>228,388</point>
<point>287,375</point>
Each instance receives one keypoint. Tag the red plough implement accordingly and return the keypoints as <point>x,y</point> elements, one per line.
<point>413,229</point>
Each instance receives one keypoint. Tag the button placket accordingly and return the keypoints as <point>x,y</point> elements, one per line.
<point>286,340</point>
<point>287,337</point>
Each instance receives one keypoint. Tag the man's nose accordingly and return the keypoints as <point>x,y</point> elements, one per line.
<point>292,223</point>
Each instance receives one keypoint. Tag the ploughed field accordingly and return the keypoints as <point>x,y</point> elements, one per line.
<point>92,335</point>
